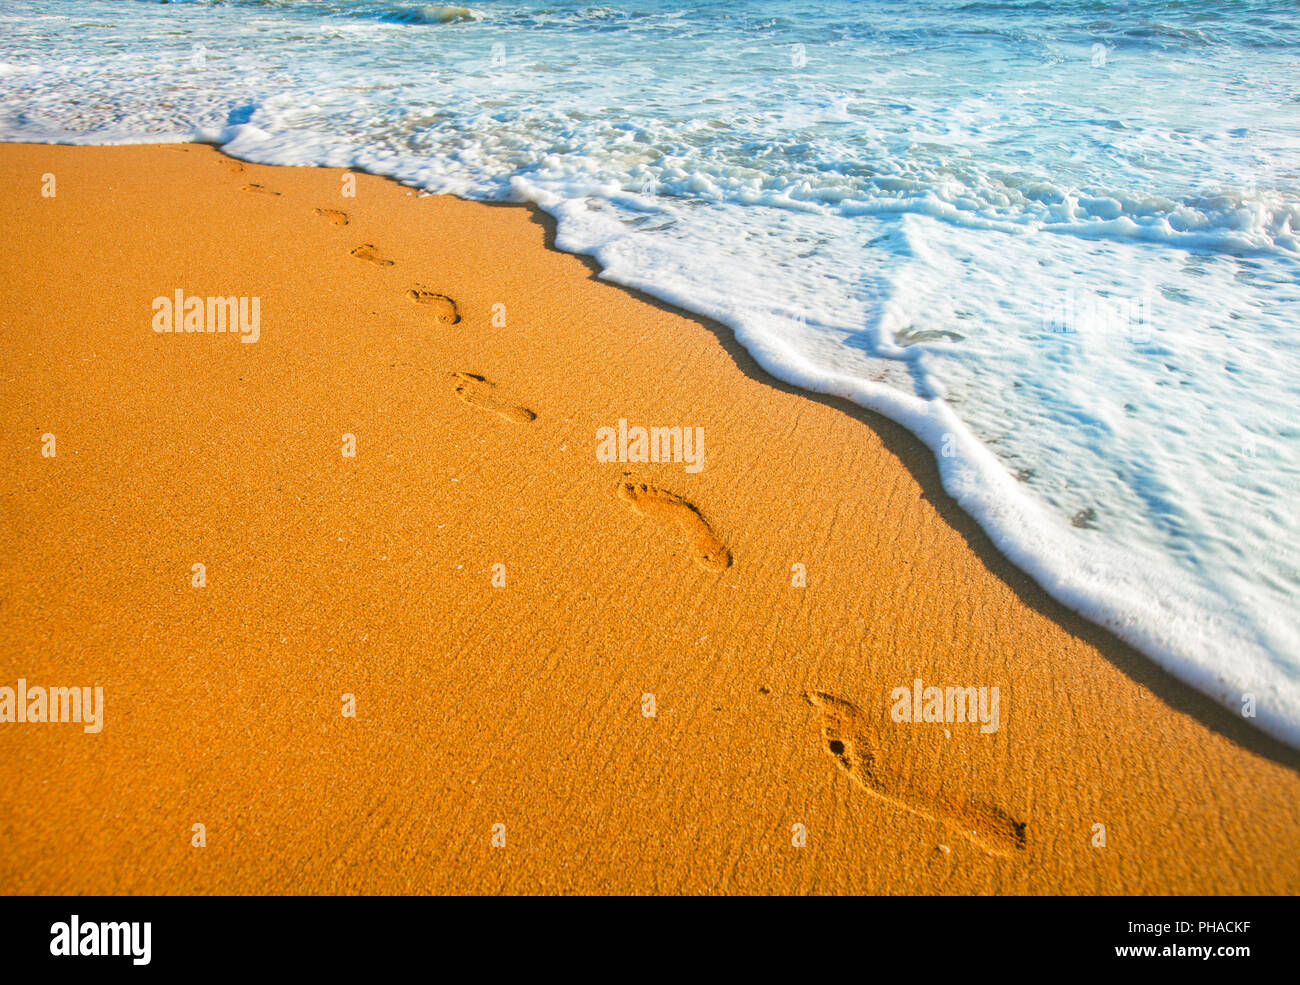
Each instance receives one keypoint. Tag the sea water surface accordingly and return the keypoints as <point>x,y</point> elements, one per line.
<point>1060,241</point>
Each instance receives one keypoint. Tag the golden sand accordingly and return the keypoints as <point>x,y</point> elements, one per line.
<point>569,675</point>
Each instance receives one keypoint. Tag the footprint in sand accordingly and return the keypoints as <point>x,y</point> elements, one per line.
<point>444,308</point>
<point>231,165</point>
<point>259,189</point>
<point>334,216</point>
<point>659,504</point>
<point>478,392</point>
<point>366,251</point>
<point>854,743</point>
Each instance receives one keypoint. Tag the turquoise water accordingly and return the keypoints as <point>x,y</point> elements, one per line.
<point>1059,241</point>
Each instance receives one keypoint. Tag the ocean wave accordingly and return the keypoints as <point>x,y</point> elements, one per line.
<point>395,12</point>
<point>428,14</point>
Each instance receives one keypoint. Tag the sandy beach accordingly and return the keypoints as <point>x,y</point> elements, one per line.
<point>483,655</point>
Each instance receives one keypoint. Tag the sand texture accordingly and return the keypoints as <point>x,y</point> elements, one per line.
<point>569,675</point>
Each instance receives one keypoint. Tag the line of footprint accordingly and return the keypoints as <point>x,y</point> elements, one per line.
<point>847,733</point>
<point>660,505</point>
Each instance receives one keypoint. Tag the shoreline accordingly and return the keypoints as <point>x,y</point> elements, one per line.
<point>1093,732</point>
